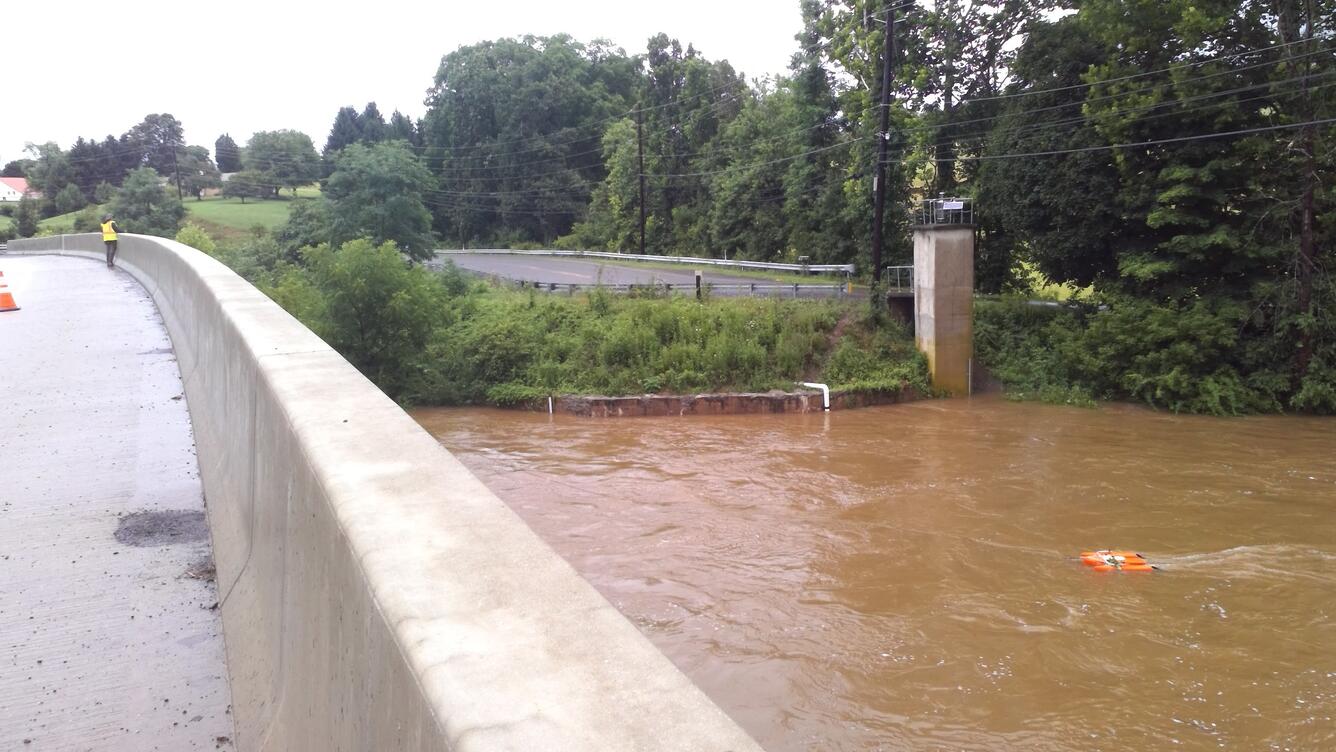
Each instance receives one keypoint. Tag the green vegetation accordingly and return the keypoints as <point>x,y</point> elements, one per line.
<point>441,338</point>
<point>376,191</point>
<point>1205,356</point>
<point>1158,163</point>
<point>284,158</point>
<point>504,345</point>
<point>59,224</point>
<point>196,237</point>
<point>143,205</point>
<point>233,214</point>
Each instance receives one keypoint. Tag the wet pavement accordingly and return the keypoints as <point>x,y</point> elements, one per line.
<point>109,634</point>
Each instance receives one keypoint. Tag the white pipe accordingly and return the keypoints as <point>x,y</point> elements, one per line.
<point>549,405</point>
<point>825,393</point>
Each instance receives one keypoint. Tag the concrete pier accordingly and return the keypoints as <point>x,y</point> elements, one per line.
<point>944,302</point>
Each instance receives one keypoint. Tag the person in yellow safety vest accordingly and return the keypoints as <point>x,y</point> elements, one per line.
<point>109,230</point>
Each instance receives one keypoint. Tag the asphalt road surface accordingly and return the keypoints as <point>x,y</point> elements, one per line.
<point>570,271</point>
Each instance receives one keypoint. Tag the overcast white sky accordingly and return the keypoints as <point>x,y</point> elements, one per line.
<point>247,65</point>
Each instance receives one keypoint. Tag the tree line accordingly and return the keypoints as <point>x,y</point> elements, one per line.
<point>1169,155</point>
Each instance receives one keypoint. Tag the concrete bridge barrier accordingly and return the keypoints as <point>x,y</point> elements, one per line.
<point>375,595</point>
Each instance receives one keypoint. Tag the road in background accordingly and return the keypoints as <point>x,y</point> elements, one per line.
<point>569,271</point>
<point>559,273</point>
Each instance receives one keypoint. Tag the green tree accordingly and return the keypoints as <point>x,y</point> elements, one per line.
<point>144,205</point>
<point>248,184</point>
<point>227,154</point>
<point>88,220</point>
<point>194,236</point>
<point>86,161</point>
<point>104,192</point>
<point>155,142</point>
<point>371,124</point>
<point>612,223</point>
<point>1060,211</point>
<point>197,171</point>
<point>15,168</point>
<point>50,170</point>
<point>377,192</point>
<point>377,311</point>
<point>344,132</point>
<point>287,158</point>
<point>514,130</point>
<point>26,218</point>
<point>69,199</point>
<point>308,224</point>
<point>402,128</point>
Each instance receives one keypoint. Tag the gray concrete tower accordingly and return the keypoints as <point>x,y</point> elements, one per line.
<point>944,290</point>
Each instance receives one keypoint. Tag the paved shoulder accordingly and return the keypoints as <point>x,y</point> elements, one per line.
<point>108,637</point>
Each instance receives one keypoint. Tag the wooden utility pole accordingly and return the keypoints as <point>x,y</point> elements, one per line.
<point>1307,261</point>
<point>883,137</point>
<point>176,168</point>
<point>946,145</point>
<point>640,154</point>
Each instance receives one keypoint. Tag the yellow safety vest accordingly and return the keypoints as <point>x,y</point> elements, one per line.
<point>107,232</point>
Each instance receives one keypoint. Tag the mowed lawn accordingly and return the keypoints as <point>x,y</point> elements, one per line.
<point>234,215</point>
<point>220,217</point>
<point>63,224</point>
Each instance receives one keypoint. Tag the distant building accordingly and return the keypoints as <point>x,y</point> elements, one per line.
<point>13,189</point>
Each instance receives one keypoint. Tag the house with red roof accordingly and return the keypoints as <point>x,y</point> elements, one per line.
<point>13,189</point>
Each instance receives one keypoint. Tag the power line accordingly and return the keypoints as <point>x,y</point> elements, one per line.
<point>1156,142</point>
<point>1170,69</point>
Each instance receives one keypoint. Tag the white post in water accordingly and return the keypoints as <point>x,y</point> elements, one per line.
<point>825,393</point>
<point>944,291</point>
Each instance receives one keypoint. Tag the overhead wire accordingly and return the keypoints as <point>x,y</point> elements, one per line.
<point>458,198</point>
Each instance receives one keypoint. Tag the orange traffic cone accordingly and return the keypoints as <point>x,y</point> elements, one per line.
<point>7,302</point>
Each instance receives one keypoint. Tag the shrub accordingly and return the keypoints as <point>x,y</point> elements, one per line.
<point>194,236</point>
<point>89,219</point>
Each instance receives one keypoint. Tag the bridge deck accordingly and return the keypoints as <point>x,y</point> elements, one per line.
<point>108,639</point>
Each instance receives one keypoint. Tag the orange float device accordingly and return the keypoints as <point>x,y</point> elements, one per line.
<point>1116,561</point>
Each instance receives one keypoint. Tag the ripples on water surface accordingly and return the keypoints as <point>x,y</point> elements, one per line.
<point>900,577</point>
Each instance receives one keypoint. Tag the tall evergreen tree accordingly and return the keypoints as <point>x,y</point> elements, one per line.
<point>401,128</point>
<point>227,154</point>
<point>344,132</point>
<point>371,124</point>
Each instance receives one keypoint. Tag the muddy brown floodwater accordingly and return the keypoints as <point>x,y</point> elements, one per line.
<point>902,577</point>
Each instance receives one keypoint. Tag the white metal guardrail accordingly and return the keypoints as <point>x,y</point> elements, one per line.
<point>759,289</point>
<point>728,263</point>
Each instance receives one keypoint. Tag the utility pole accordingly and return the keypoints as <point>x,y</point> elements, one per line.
<point>176,168</point>
<point>1307,251</point>
<point>883,137</point>
<point>640,152</point>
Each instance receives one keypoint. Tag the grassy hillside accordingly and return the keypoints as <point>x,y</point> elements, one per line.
<point>222,217</point>
<point>228,218</point>
<point>61,224</point>
<point>231,213</point>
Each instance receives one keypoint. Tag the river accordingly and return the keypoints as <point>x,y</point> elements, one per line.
<point>903,577</point>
